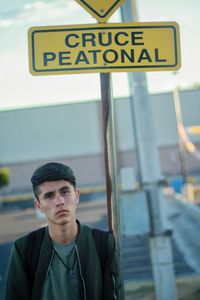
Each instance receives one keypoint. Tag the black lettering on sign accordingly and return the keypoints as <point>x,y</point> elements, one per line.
<point>144,55</point>
<point>137,36</point>
<point>94,53</point>
<point>107,57</point>
<point>119,40</point>
<point>48,56</point>
<point>157,59</point>
<point>105,39</point>
<point>81,57</point>
<point>70,40</point>
<point>130,56</point>
<point>63,57</point>
<point>88,38</point>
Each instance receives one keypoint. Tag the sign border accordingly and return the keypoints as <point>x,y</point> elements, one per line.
<point>104,68</point>
<point>117,2</point>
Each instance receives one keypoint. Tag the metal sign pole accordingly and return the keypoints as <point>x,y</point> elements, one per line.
<point>150,176</point>
<point>111,165</point>
<point>176,97</point>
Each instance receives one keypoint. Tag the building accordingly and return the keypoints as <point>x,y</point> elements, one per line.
<point>72,133</point>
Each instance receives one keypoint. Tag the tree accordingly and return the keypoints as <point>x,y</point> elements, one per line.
<point>196,85</point>
<point>4,176</point>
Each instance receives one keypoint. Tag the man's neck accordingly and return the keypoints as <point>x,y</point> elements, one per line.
<point>63,234</point>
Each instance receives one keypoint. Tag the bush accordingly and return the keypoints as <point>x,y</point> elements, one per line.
<point>4,176</point>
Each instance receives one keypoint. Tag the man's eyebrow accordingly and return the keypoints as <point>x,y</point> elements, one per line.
<point>48,193</point>
<point>66,187</point>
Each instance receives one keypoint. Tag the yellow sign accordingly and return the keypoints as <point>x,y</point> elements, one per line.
<point>101,10</point>
<point>117,47</point>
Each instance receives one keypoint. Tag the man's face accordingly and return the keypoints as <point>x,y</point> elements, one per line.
<point>57,200</point>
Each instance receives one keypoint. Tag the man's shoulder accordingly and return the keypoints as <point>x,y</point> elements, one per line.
<point>101,234</point>
<point>102,238</point>
<point>97,232</point>
<point>86,228</point>
<point>22,241</point>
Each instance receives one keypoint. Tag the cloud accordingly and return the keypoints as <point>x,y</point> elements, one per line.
<point>28,90</point>
<point>40,11</point>
<point>38,5</point>
<point>5,23</point>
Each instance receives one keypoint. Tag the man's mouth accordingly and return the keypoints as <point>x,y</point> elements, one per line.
<point>62,211</point>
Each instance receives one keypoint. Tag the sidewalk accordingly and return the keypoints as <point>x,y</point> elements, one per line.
<point>188,288</point>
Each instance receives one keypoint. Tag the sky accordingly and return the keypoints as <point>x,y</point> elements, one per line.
<point>18,88</point>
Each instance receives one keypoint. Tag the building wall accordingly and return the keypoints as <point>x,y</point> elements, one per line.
<point>72,133</point>
<point>164,115</point>
<point>45,132</point>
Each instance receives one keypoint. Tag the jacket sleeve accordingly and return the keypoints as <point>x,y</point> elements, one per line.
<point>16,279</point>
<point>112,285</point>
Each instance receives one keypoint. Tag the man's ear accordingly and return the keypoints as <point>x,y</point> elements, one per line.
<point>39,212</point>
<point>37,204</point>
<point>77,195</point>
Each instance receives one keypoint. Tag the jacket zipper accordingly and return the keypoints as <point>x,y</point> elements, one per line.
<point>79,264</point>
<point>114,287</point>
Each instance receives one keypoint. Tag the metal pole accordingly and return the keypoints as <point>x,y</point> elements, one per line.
<point>149,170</point>
<point>177,106</point>
<point>109,148</point>
<point>111,165</point>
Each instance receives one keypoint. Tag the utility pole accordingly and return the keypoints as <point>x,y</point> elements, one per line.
<point>113,206</point>
<point>149,176</point>
<point>179,124</point>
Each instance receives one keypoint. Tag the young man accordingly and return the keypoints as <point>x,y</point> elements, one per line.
<point>67,262</point>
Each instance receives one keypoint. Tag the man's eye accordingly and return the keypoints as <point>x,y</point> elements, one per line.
<point>48,196</point>
<point>65,192</point>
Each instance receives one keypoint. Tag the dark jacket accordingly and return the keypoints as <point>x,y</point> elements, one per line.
<point>95,285</point>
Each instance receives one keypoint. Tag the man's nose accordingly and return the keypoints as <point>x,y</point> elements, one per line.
<point>59,200</point>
